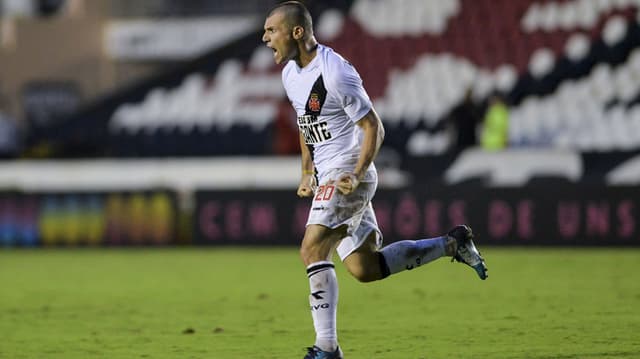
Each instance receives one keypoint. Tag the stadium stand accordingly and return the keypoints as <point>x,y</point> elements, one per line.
<point>569,71</point>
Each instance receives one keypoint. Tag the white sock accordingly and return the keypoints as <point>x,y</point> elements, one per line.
<point>405,255</point>
<point>323,301</point>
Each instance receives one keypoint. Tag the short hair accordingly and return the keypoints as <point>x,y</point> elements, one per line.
<point>295,14</point>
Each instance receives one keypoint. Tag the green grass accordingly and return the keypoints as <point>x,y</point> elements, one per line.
<point>252,303</point>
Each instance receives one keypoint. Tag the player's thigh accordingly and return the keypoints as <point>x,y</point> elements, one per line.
<point>364,262</point>
<point>319,242</point>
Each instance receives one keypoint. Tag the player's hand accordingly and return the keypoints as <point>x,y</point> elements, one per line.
<point>307,185</point>
<point>348,183</point>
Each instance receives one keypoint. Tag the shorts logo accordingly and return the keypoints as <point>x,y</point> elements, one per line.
<point>314,102</point>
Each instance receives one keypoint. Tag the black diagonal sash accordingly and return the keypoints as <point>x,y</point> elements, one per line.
<point>315,101</point>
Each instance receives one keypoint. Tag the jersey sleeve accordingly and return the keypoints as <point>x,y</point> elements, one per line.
<point>350,91</point>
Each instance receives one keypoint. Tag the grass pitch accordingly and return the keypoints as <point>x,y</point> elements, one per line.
<point>252,303</point>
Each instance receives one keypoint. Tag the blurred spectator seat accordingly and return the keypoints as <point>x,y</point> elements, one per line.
<point>565,67</point>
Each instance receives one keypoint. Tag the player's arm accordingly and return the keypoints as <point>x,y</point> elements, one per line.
<point>373,135</point>
<point>308,179</point>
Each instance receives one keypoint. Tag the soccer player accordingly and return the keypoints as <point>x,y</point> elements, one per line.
<point>340,135</point>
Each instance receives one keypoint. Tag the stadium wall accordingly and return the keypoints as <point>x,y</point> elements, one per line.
<point>252,201</point>
<point>89,218</point>
<point>530,215</point>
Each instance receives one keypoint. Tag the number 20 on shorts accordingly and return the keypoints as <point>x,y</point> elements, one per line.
<point>325,192</point>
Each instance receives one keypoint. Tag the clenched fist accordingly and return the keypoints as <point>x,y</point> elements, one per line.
<point>307,185</point>
<point>348,183</point>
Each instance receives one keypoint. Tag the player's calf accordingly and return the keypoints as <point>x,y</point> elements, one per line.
<point>406,255</point>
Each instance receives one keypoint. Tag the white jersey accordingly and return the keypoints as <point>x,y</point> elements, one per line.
<point>329,99</point>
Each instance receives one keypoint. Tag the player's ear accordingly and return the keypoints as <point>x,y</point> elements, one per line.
<point>298,32</point>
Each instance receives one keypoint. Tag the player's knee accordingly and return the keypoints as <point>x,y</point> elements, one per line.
<point>318,243</point>
<point>363,265</point>
<point>306,254</point>
<point>365,274</point>
<point>311,252</point>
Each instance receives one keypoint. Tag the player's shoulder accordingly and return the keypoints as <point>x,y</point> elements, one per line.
<point>335,67</point>
<point>287,70</point>
<point>332,60</point>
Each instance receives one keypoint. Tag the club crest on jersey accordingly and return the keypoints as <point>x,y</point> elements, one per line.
<point>314,102</point>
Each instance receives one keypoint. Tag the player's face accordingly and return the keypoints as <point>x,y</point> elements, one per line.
<point>278,37</point>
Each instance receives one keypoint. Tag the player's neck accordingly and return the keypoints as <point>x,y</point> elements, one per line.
<point>307,52</point>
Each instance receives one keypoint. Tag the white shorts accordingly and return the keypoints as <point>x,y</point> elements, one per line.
<point>332,209</point>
